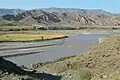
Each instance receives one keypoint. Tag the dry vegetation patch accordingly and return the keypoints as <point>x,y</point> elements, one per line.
<point>29,37</point>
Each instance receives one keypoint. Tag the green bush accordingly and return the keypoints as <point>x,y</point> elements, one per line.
<point>83,75</point>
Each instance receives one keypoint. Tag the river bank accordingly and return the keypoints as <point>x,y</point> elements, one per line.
<point>100,62</point>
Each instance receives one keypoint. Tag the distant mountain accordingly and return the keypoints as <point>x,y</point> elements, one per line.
<point>65,16</point>
<point>57,10</point>
<point>10,11</point>
<point>75,10</point>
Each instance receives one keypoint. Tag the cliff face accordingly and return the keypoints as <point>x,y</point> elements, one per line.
<point>71,16</point>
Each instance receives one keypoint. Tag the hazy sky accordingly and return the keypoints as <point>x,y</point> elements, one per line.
<point>108,5</point>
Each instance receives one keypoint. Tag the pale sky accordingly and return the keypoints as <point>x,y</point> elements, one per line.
<point>108,5</point>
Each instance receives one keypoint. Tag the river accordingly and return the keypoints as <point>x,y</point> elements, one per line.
<point>50,50</point>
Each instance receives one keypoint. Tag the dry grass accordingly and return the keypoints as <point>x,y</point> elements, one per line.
<point>28,37</point>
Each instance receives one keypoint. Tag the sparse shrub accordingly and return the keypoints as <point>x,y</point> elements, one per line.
<point>41,28</point>
<point>18,77</point>
<point>26,78</point>
<point>83,75</point>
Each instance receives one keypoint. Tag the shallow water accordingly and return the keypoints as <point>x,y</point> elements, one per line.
<point>73,45</point>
